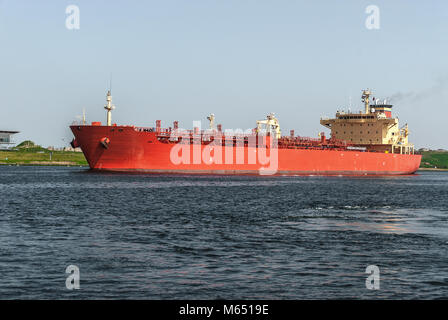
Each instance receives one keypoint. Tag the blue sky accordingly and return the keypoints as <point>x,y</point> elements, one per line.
<point>239,59</point>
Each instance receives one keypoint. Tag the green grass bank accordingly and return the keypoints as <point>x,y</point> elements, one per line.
<point>434,159</point>
<point>28,153</point>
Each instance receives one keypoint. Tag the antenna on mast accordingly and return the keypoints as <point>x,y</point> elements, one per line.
<point>365,98</point>
<point>109,106</point>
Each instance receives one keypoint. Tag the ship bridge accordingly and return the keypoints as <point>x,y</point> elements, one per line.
<point>375,128</point>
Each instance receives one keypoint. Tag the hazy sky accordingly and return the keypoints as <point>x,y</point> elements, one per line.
<point>239,59</point>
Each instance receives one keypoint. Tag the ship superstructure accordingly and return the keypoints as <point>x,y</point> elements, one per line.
<point>375,128</point>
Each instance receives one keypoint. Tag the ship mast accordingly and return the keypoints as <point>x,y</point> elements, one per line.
<point>365,98</point>
<point>109,107</point>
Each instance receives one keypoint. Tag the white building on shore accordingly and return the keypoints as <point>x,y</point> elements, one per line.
<point>5,138</point>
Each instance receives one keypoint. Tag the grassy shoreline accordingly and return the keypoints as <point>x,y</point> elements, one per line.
<point>434,160</point>
<point>431,169</point>
<point>38,156</point>
<point>45,164</point>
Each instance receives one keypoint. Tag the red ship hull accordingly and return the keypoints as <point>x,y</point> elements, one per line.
<point>124,148</point>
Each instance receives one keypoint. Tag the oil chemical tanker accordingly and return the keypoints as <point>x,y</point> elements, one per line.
<point>369,142</point>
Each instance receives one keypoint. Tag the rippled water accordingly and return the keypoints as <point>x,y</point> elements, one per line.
<point>213,237</point>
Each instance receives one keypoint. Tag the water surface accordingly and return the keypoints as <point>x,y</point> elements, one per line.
<point>221,237</point>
